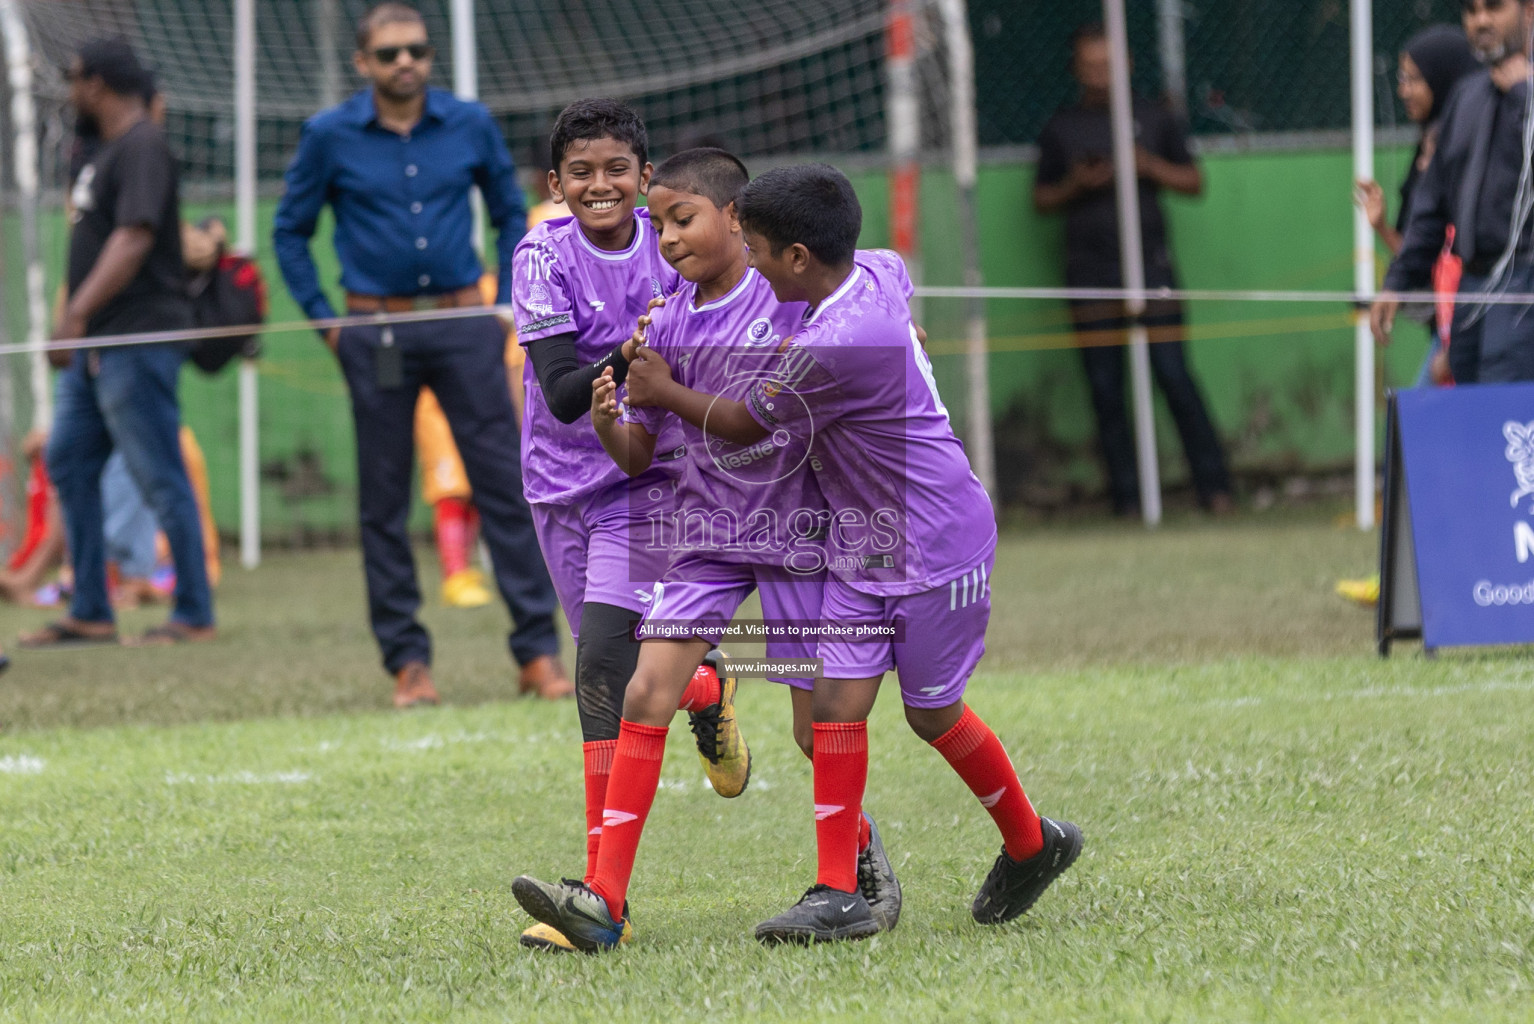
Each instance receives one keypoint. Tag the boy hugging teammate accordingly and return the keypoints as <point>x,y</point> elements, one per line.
<point>747,516</point>
<point>912,544</point>
<point>580,283</point>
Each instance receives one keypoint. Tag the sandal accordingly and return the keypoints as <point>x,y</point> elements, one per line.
<point>63,634</point>
<point>169,634</point>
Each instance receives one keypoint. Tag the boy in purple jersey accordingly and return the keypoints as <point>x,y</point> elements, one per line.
<point>747,517</point>
<point>911,547</point>
<point>579,285</point>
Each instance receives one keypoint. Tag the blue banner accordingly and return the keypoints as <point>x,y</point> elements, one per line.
<point>1468,453</point>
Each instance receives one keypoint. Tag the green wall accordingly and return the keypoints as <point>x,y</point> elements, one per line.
<point>1278,377</point>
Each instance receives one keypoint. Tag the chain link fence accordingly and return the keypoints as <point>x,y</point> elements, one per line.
<point>1250,65</point>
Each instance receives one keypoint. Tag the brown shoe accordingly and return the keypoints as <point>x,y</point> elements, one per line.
<point>413,687</point>
<point>546,677</point>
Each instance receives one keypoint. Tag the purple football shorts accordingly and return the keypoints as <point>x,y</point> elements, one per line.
<point>941,636</point>
<point>601,549</point>
<point>702,595</point>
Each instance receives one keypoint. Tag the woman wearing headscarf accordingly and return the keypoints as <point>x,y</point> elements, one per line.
<point>1431,63</point>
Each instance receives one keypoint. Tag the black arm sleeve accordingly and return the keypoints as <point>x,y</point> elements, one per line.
<point>565,382</point>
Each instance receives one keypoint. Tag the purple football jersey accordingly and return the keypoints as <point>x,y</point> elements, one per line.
<point>562,284</point>
<point>907,512</point>
<point>740,503</point>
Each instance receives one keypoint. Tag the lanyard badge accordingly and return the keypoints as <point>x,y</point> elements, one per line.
<point>390,363</point>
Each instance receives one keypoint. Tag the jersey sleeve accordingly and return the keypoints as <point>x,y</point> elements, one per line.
<point>799,394</point>
<point>899,273</point>
<point>541,302</point>
<point>146,182</point>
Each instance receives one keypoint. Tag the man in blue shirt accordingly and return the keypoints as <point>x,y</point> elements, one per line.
<point>396,162</point>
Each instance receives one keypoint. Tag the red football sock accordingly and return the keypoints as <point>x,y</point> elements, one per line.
<point>630,792</point>
<point>841,775</point>
<point>599,768</point>
<point>452,516</point>
<point>864,835</point>
<point>702,690</point>
<point>978,756</point>
<point>471,528</point>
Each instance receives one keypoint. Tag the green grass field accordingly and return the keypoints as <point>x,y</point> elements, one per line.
<point>1280,826</point>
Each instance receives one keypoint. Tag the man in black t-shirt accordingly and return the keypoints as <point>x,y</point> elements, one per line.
<point>124,276</point>
<point>1075,174</point>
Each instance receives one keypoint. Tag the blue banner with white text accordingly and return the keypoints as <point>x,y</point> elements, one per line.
<point>1469,459</point>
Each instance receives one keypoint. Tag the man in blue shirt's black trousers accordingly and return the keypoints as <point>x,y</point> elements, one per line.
<point>396,162</point>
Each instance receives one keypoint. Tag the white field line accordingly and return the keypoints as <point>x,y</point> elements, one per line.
<point>21,764</point>
<point>430,741</point>
<point>433,741</point>
<point>1379,692</point>
<point>239,779</point>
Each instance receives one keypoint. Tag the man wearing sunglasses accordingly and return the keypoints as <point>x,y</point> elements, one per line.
<point>397,162</point>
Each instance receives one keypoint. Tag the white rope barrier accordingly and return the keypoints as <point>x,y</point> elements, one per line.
<point>929,292</point>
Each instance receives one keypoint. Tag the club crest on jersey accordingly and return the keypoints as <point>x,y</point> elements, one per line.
<point>654,287</point>
<point>760,331</point>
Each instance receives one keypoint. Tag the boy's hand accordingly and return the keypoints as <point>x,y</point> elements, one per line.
<point>636,342</point>
<point>604,401</point>
<point>648,377</point>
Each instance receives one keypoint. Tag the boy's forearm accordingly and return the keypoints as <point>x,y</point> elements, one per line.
<point>725,418</point>
<point>625,449</point>
<point>692,406</point>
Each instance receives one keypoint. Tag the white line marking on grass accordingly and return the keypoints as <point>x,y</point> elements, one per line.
<point>239,779</point>
<point>21,764</point>
<point>432,741</point>
<point>1375,692</point>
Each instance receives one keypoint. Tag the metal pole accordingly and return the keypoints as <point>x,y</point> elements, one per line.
<point>1174,57</point>
<point>18,60</point>
<point>903,114</point>
<point>466,87</point>
<point>1132,259</point>
<point>965,145</point>
<point>245,242</point>
<point>327,15</point>
<point>1363,261</point>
